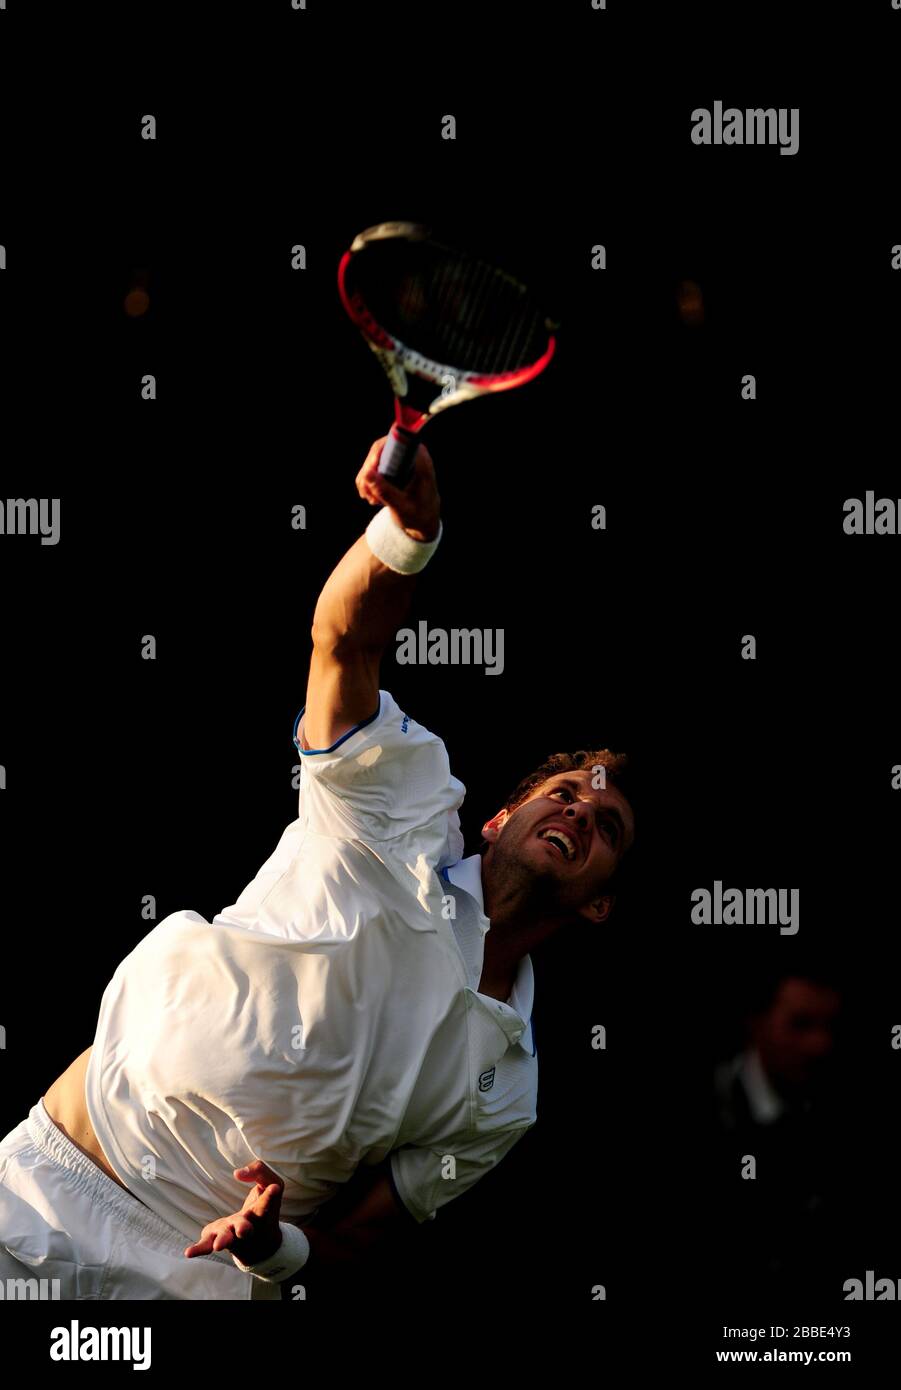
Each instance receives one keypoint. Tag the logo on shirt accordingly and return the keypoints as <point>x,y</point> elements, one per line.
<point>403,727</point>
<point>486,1080</point>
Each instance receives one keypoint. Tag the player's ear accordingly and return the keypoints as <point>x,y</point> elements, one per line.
<point>598,910</point>
<point>492,828</point>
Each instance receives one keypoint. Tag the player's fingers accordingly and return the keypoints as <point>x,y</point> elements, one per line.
<point>363,483</point>
<point>369,488</point>
<point>268,1201</point>
<point>205,1244</point>
<point>377,490</point>
<point>421,483</point>
<point>258,1172</point>
<point>388,493</point>
<point>224,1239</point>
<point>371,461</point>
<point>370,493</point>
<point>374,487</point>
<point>201,1247</point>
<point>424,463</point>
<point>251,1199</point>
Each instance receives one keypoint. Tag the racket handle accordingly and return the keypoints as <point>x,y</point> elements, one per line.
<point>398,454</point>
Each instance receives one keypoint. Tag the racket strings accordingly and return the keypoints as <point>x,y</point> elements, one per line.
<point>458,295</point>
<point>458,311</point>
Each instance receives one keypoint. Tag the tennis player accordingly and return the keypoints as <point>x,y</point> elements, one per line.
<point>351,1014</point>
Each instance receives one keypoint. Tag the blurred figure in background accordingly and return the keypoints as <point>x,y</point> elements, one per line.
<point>791,1036</point>
<point>782,1100</point>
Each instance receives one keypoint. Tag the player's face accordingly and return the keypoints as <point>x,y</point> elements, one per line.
<point>571,833</point>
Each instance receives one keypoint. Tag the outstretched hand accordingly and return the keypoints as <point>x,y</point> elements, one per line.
<point>251,1233</point>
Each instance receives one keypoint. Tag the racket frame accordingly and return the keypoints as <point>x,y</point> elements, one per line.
<point>398,360</point>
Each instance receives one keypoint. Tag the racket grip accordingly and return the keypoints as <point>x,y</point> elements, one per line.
<point>398,455</point>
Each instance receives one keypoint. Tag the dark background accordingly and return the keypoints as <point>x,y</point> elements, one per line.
<point>724,517</point>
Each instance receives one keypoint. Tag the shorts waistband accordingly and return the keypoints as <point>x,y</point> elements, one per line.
<point>101,1190</point>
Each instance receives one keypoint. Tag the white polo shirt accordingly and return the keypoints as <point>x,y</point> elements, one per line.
<point>329,1017</point>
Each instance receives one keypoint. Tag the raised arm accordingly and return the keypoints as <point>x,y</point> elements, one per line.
<point>362,605</point>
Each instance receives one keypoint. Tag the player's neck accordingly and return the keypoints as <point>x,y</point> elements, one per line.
<point>509,904</point>
<point>516,929</point>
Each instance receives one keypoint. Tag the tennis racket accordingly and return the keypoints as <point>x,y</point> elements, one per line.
<point>446,327</point>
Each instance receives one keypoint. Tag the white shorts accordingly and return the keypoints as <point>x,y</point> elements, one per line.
<point>64,1221</point>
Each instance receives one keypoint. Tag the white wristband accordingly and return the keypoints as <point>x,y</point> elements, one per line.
<point>290,1256</point>
<point>391,544</point>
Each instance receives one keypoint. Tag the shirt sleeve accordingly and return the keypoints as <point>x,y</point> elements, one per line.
<point>388,776</point>
<point>419,1173</point>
